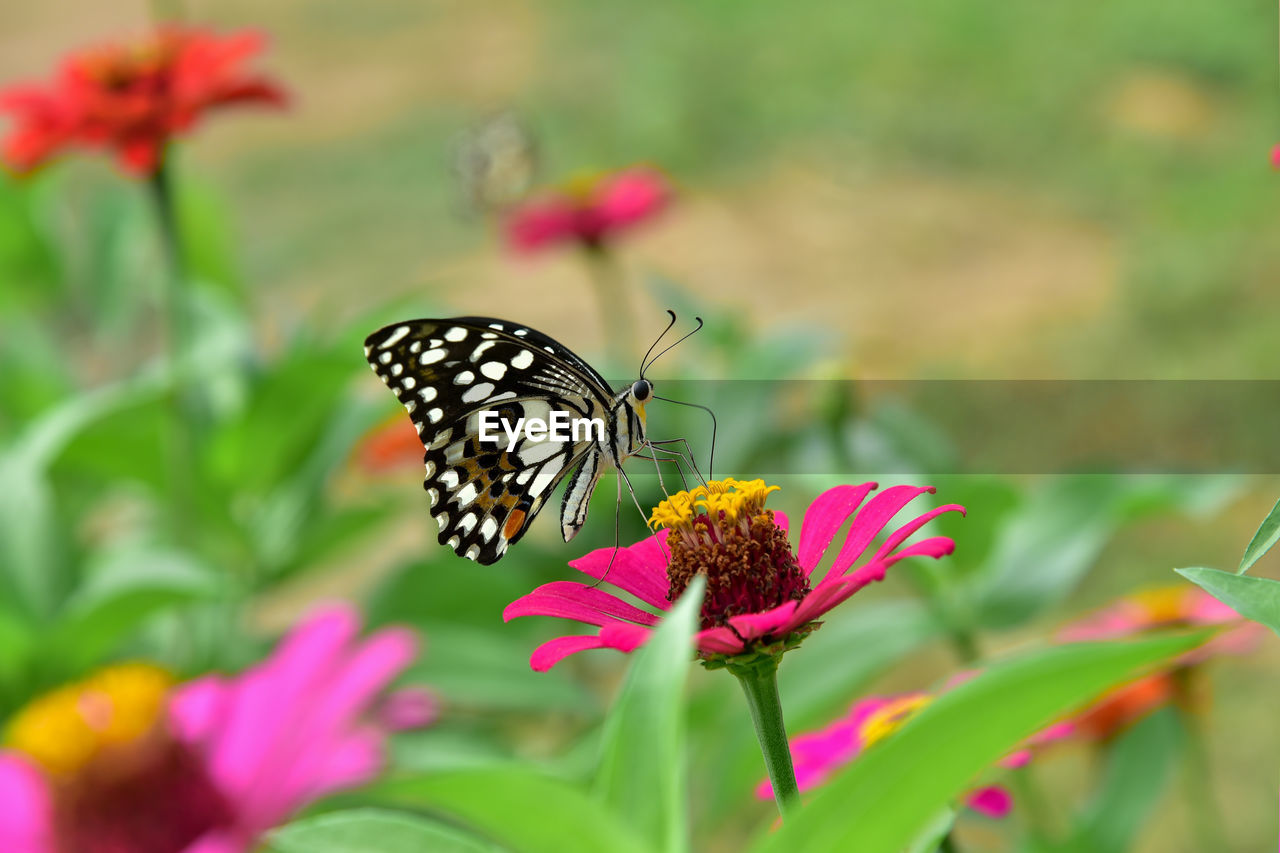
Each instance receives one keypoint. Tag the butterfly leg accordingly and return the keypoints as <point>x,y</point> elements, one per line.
<point>617,534</point>
<point>685,454</point>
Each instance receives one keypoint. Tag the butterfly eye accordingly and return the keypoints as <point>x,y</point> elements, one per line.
<point>641,390</point>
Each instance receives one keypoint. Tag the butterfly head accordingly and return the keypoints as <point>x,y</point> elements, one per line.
<point>641,392</point>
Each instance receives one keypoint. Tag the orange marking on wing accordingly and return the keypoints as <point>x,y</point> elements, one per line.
<point>512,527</point>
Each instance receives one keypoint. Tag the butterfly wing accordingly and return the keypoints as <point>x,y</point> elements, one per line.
<point>484,492</point>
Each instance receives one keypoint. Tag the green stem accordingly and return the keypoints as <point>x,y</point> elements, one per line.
<point>1207,823</point>
<point>176,335</point>
<point>759,680</point>
<point>1035,805</point>
<point>616,317</point>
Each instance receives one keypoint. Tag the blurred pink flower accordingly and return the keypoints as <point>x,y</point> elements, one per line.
<point>122,762</point>
<point>1147,611</point>
<point>1275,157</point>
<point>589,212</point>
<point>817,755</point>
<point>758,593</point>
<point>1165,607</point>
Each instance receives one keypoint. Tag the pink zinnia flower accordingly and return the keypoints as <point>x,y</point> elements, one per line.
<point>588,212</point>
<point>760,594</point>
<point>132,99</point>
<point>1275,157</point>
<point>125,761</point>
<point>817,755</point>
<point>1149,611</point>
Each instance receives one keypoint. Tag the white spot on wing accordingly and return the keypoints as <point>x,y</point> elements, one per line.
<point>449,479</point>
<point>493,369</point>
<point>466,494</point>
<point>534,452</point>
<point>522,359</point>
<point>466,377</point>
<point>434,415</point>
<point>431,356</point>
<point>546,474</point>
<point>397,369</point>
<point>457,333</point>
<point>479,351</point>
<point>476,393</point>
<point>409,383</point>
<point>394,337</point>
<point>472,552</point>
<point>489,528</point>
<point>386,357</point>
<point>427,394</point>
<point>467,523</point>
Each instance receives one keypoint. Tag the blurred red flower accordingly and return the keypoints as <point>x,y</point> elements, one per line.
<point>589,212</point>
<point>130,99</point>
<point>1275,157</point>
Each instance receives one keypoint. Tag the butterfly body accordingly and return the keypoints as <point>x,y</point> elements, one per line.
<point>456,376</point>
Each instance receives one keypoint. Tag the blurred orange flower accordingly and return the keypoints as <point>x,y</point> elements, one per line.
<point>389,446</point>
<point>130,99</point>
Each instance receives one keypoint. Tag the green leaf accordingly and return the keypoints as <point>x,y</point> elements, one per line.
<point>354,830</point>
<point>1048,543</point>
<point>642,763</point>
<point>1253,598</point>
<point>887,797</point>
<point>518,808</point>
<point>934,832</point>
<point>1139,765</point>
<point>1266,537</point>
<point>863,641</point>
<point>122,590</point>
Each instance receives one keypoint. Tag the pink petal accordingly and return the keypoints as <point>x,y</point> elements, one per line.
<point>992,801</point>
<point>351,762</point>
<point>26,813</point>
<point>752,625</point>
<point>624,637</point>
<point>408,709</point>
<point>572,600</point>
<point>718,641</point>
<point>640,570</point>
<point>198,707</point>
<point>780,519</point>
<point>263,703</point>
<point>218,842</point>
<point>828,512</point>
<point>868,523</point>
<point>900,535</point>
<point>552,652</point>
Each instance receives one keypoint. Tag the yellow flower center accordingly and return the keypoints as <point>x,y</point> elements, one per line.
<point>1163,605</point>
<point>725,502</point>
<point>65,729</point>
<point>887,719</point>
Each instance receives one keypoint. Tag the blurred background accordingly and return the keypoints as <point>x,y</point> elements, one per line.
<point>884,190</point>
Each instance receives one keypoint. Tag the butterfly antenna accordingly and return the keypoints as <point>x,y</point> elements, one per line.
<point>644,360</point>
<point>711,460</point>
<point>672,346</point>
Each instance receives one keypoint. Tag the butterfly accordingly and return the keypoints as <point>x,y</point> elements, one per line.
<point>457,376</point>
<point>495,162</point>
